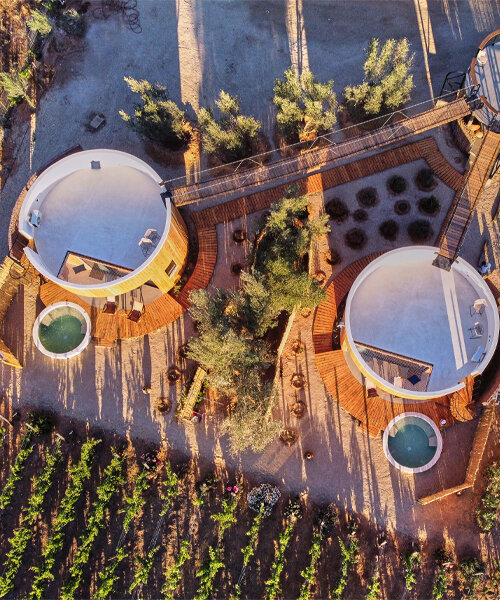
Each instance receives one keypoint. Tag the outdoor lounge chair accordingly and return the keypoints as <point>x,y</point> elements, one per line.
<point>152,234</point>
<point>136,313</point>
<point>110,306</point>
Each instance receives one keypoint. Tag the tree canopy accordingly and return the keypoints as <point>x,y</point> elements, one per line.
<point>156,117</point>
<point>305,106</point>
<point>387,83</point>
<point>233,136</point>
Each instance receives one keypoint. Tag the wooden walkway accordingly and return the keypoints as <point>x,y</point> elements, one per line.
<point>462,209</point>
<point>312,160</point>
<point>374,414</point>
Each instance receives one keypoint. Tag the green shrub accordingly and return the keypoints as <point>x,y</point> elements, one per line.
<point>16,87</point>
<point>396,184</point>
<point>355,238</point>
<point>42,422</point>
<point>72,23</point>
<point>360,215</point>
<point>389,230</point>
<point>486,514</point>
<point>337,210</point>
<point>472,572</point>
<point>367,197</point>
<point>429,206</point>
<point>425,179</point>
<point>420,230</point>
<point>39,23</point>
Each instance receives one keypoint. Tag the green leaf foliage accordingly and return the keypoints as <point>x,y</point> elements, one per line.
<point>39,23</point>
<point>112,480</point>
<point>387,83</point>
<point>108,576</point>
<point>207,574</point>
<point>486,514</point>
<point>136,501</point>
<point>22,536</point>
<point>171,491</point>
<point>78,475</point>
<point>144,565</point>
<point>233,136</point>
<point>304,106</point>
<point>156,117</point>
<point>173,574</point>
<point>350,556</point>
<point>309,573</point>
<point>17,469</point>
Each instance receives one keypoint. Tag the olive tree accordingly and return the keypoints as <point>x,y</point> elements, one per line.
<point>387,83</point>
<point>305,106</point>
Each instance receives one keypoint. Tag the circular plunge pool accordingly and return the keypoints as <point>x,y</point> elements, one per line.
<point>62,330</point>
<point>412,442</point>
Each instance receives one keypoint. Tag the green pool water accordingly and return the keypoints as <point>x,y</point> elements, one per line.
<point>62,335</point>
<point>410,446</point>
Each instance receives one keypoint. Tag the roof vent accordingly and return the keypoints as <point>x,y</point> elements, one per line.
<point>95,164</point>
<point>35,218</point>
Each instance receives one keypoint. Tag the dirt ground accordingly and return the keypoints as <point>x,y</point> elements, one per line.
<point>196,48</point>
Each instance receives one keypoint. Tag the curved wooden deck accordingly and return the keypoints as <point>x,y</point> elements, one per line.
<point>374,414</point>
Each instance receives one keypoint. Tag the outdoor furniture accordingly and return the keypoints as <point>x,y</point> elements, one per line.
<point>478,307</point>
<point>110,306</point>
<point>146,246</point>
<point>152,234</point>
<point>476,331</point>
<point>478,355</point>
<point>136,313</point>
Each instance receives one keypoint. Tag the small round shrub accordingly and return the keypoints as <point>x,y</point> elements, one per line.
<point>333,257</point>
<point>337,210</point>
<point>396,184</point>
<point>389,230</point>
<point>429,206</point>
<point>264,494</point>
<point>420,230</point>
<point>360,215</point>
<point>355,238</point>
<point>402,207</point>
<point>425,179</point>
<point>367,197</point>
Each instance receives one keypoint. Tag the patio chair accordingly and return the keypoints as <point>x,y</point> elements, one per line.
<point>137,311</point>
<point>478,306</point>
<point>476,331</point>
<point>478,355</point>
<point>152,234</point>
<point>146,246</point>
<point>110,306</point>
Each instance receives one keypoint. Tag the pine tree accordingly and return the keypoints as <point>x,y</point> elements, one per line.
<point>305,106</point>
<point>387,84</point>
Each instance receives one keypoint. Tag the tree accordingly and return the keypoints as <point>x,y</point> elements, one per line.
<point>156,117</point>
<point>17,87</point>
<point>305,106</point>
<point>386,84</point>
<point>233,136</point>
<point>39,23</point>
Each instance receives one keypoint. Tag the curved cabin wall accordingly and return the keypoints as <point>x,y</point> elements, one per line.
<point>172,247</point>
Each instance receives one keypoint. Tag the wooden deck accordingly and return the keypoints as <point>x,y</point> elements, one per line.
<point>374,414</point>
<point>462,209</point>
<point>315,159</point>
<point>107,328</point>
